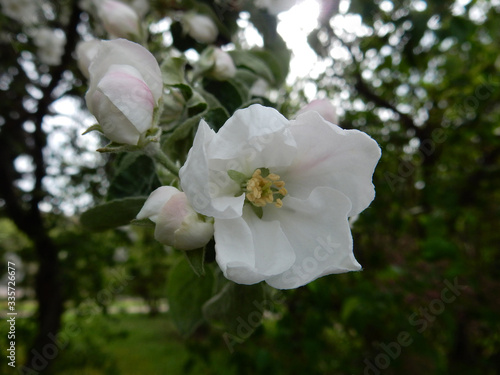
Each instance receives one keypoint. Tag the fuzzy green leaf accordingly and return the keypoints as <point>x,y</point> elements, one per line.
<point>196,259</point>
<point>186,294</point>
<point>112,214</point>
<point>237,177</point>
<point>236,309</point>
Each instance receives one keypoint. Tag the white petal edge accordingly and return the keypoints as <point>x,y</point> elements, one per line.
<point>328,155</point>
<point>124,87</point>
<point>319,232</point>
<point>249,250</point>
<point>200,186</point>
<point>253,137</point>
<point>122,51</point>
<point>155,202</point>
<point>113,122</point>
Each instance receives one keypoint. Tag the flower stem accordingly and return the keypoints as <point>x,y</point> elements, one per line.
<point>154,151</point>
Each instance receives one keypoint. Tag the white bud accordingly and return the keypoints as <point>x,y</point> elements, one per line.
<point>119,19</point>
<point>200,27</point>
<point>85,53</point>
<point>324,107</point>
<point>125,89</point>
<point>177,224</point>
<point>224,67</point>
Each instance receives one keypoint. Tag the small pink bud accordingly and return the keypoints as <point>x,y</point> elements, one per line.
<point>177,223</point>
<point>324,107</point>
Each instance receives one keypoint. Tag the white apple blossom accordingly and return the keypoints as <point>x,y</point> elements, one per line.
<point>177,224</point>
<point>324,107</point>
<point>200,27</point>
<point>118,19</point>
<point>275,6</point>
<point>124,91</point>
<point>281,193</point>
<point>50,43</point>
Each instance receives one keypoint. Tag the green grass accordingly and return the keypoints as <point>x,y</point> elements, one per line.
<point>131,344</point>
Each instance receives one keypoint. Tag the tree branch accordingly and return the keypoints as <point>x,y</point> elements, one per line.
<point>40,138</point>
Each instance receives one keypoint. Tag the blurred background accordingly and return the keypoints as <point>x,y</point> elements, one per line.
<point>420,77</point>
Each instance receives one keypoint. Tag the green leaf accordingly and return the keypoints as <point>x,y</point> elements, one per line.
<point>173,73</point>
<point>216,117</point>
<point>259,211</point>
<point>231,93</point>
<point>196,105</point>
<point>96,127</point>
<point>264,172</point>
<point>278,63</point>
<point>183,130</point>
<point>142,223</point>
<point>118,147</point>
<point>252,62</point>
<point>196,259</point>
<point>236,176</point>
<point>186,294</point>
<point>112,214</point>
<point>236,309</point>
<point>134,177</point>
<point>172,70</point>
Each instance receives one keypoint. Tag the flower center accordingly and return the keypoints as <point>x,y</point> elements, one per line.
<point>264,187</point>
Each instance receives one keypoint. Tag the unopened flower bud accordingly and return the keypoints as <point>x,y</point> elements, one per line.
<point>119,19</point>
<point>200,27</point>
<point>85,52</point>
<point>324,107</point>
<point>177,223</point>
<point>125,89</point>
<point>224,67</point>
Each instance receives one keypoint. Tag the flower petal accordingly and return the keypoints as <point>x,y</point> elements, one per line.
<point>179,226</point>
<point>205,189</point>
<point>252,138</point>
<point>319,232</point>
<point>258,251</point>
<point>211,193</point>
<point>121,51</point>
<point>155,202</point>
<point>115,125</point>
<point>124,87</point>
<point>330,156</point>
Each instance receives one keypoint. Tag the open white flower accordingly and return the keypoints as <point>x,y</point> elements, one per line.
<point>281,193</point>
<point>125,89</point>
<point>177,224</point>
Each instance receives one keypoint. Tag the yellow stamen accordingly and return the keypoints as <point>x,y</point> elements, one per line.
<point>262,190</point>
